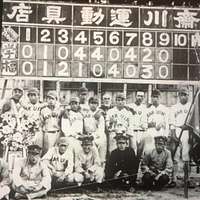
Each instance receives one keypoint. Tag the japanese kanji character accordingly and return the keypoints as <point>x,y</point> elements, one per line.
<point>21,12</point>
<point>120,17</point>
<point>89,16</point>
<point>186,19</point>
<point>53,14</point>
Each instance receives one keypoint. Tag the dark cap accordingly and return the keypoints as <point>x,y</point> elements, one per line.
<point>33,91</point>
<point>160,139</point>
<point>83,90</point>
<point>121,136</point>
<point>18,88</point>
<point>93,100</point>
<point>155,93</point>
<point>34,149</point>
<point>120,96</point>
<point>52,94</point>
<point>86,139</point>
<point>184,90</point>
<point>74,99</point>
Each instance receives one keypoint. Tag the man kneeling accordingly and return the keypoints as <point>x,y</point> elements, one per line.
<point>157,165</point>
<point>59,160</point>
<point>122,164</point>
<point>31,177</point>
<point>87,163</point>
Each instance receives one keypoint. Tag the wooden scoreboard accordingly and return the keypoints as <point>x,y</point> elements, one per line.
<point>99,42</point>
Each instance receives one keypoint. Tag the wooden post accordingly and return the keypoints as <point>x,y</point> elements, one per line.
<point>41,90</point>
<point>4,89</point>
<point>186,176</point>
<point>99,92</point>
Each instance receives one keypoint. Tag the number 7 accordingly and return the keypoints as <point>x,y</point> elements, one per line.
<point>131,37</point>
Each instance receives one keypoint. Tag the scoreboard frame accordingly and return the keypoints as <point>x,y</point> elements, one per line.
<point>99,43</point>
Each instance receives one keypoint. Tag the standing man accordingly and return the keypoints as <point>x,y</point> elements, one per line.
<point>94,124</point>
<point>158,121</point>
<point>31,177</point>
<point>106,104</point>
<point>117,117</point>
<point>157,165</point>
<point>178,116</point>
<point>4,180</point>
<point>50,117</point>
<point>83,96</point>
<point>139,121</point>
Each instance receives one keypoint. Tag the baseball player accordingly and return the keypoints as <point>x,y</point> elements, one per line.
<point>4,180</point>
<point>106,104</point>
<point>158,121</point>
<point>139,121</point>
<point>116,117</point>
<point>83,96</point>
<point>178,116</point>
<point>31,177</point>
<point>50,118</point>
<point>60,162</point>
<point>94,124</point>
<point>72,123</point>
<point>87,163</point>
<point>157,165</point>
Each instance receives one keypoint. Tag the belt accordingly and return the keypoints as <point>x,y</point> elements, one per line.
<point>53,131</point>
<point>138,130</point>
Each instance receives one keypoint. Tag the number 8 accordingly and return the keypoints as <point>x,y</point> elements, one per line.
<point>147,39</point>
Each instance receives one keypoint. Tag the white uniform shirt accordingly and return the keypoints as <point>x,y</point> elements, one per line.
<point>160,116</point>
<point>178,116</point>
<point>140,116</point>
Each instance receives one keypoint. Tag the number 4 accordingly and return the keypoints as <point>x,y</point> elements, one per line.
<point>113,70</point>
<point>81,37</point>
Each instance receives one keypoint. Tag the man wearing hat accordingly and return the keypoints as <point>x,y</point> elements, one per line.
<point>94,123</point>
<point>122,164</point>
<point>83,96</point>
<point>50,121</point>
<point>72,123</point>
<point>60,162</point>
<point>157,119</point>
<point>117,116</point>
<point>157,165</point>
<point>178,115</point>
<point>87,163</point>
<point>31,177</point>
<point>106,103</point>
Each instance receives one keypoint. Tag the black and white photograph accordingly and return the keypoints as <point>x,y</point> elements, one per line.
<point>100,100</point>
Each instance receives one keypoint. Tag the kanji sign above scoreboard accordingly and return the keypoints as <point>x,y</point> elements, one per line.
<point>99,41</point>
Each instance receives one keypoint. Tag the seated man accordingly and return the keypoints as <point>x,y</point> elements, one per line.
<point>157,165</point>
<point>87,163</point>
<point>59,160</point>
<point>4,180</point>
<point>31,177</point>
<point>122,164</point>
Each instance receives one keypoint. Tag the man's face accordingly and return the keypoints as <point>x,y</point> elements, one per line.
<point>51,101</point>
<point>155,100</point>
<point>107,101</point>
<point>33,158</point>
<point>87,147</point>
<point>121,144</point>
<point>159,146</point>
<point>83,97</point>
<point>139,97</point>
<point>120,103</point>
<point>183,98</point>
<point>17,94</point>
<point>93,106</point>
<point>62,148</point>
<point>33,98</point>
<point>74,106</point>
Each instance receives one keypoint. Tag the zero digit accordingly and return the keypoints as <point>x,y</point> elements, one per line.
<point>163,71</point>
<point>27,68</point>
<point>27,51</point>
<point>114,54</point>
<point>63,52</point>
<point>131,71</point>
<point>163,56</point>
<point>97,70</point>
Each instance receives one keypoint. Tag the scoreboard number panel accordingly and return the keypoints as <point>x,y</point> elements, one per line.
<point>106,41</point>
<point>45,68</point>
<point>131,70</point>
<point>63,69</point>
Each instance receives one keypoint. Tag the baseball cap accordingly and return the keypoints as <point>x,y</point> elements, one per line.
<point>34,149</point>
<point>63,141</point>
<point>93,100</point>
<point>83,90</point>
<point>52,94</point>
<point>106,96</point>
<point>74,99</point>
<point>160,139</point>
<point>155,93</point>
<point>18,88</point>
<point>86,139</point>
<point>184,90</point>
<point>33,91</point>
<point>120,96</point>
